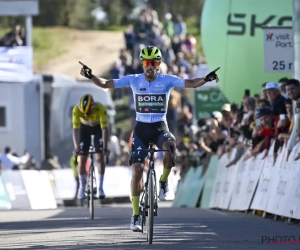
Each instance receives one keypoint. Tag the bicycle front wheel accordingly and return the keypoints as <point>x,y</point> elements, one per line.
<point>150,218</point>
<point>91,193</point>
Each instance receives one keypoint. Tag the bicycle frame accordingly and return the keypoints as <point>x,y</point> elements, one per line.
<point>151,152</point>
<point>144,206</point>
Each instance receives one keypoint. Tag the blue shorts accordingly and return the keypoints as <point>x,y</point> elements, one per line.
<point>143,133</point>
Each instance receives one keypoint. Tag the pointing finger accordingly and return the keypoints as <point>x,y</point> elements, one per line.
<point>216,69</point>
<point>82,63</point>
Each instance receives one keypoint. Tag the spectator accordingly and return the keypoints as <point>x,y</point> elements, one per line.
<point>257,97</point>
<point>16,37</point>
<point>262,102</point>
<point>179,27</point>
<point>262,139</point>
<point>293,91</point>
<point>264,93</point>
<point>234,143</point>
<point>168,25</point>
<point>248,117</point>
<point>289,109</point>
<point>190,43</point>
<point>140,29</point>
<point>282,83</point>
<point>129,37</point>
<point>276,99</point>
<point>11,162</point>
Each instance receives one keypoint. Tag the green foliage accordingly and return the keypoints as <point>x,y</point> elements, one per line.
<point>7,22</point>
<point>118,10</point>
<point>185,8</point>
<point>48,44</point>
<point>52,13</point>
<point>77,13</point>
<point>80,16</point>
<point>190,12</point>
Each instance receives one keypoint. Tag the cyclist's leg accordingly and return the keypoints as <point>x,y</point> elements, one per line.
<point>165,141</point>
<point>98,142</point>
<point>85,141</point>
<point>137,160</point>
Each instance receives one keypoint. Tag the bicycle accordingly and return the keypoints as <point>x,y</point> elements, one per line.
<point>148,203</point>
<point>91,184</point>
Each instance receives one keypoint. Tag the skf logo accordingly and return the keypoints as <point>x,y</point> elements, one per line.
<point>241,23</point>
<point>269,36</point>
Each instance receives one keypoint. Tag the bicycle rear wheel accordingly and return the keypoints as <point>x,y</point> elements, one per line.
<point>91,193</point>
<point>150,218</point>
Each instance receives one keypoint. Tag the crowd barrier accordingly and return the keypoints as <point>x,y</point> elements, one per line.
<point>32,189</point>
<point>252,184</point>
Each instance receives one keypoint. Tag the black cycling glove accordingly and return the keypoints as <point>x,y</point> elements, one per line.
<point>212,76</point>
<point>87,72</point>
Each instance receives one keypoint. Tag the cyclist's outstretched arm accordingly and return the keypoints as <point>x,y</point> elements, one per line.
<point>103,83</point>
<point>197,82</point>
<point>100,82</point>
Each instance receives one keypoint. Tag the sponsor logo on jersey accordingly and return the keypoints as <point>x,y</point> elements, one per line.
<point>152,103</point>
<point>151,100</point>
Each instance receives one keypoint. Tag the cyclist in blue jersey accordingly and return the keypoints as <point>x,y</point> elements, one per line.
<point>151,91</point>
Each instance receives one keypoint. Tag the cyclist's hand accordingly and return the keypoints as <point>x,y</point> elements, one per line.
<point>86,71</point>
<point>212,76</point>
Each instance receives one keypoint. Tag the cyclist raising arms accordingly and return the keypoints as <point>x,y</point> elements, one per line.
<point>90,118</point>
<point>151,94</point>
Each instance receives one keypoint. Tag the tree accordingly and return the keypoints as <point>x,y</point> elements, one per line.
<point>80,14</point>
<point>118,10</point>
<point>51,13</point>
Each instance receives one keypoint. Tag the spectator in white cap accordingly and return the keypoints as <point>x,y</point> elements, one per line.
<point>276,100</point>
<point>281,122</point>
<point>226,109</point>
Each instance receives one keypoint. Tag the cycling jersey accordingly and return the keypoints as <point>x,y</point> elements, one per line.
<point>151,99</point>
<point>97,116</point>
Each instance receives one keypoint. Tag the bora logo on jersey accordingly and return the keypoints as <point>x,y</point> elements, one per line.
<point>151,100</point>
<point>151,103</point>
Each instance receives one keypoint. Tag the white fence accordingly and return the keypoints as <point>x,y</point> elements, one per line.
<point>31,189</point>
<point>259,184</point>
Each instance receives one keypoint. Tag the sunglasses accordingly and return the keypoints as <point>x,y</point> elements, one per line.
<point>146,63</point>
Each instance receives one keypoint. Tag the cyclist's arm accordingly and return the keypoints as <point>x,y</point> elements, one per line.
<point>104,126</point>
<point>178,82</point>
<point>76,127</point>
<point>194,83</point>
<point>103,83</point>
<point>112,83</point>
